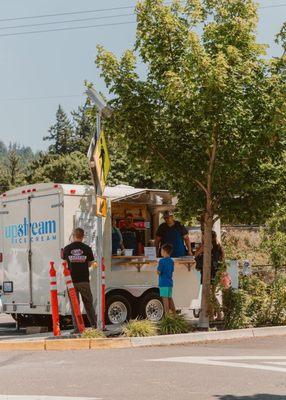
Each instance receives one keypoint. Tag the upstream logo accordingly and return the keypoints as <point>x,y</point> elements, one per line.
<point>41,231</point>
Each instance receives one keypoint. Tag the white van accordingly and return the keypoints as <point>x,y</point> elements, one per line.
<point>36,222</point>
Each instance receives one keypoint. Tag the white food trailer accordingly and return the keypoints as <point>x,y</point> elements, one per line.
<point>36,222</point>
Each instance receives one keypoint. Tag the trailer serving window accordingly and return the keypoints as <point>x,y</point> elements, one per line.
<point>144,208</point>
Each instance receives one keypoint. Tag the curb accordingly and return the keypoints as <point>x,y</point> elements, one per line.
<point>116,343</point>
<point>121,342</point>
<point>67,344</point>
<point>205,337</point>
<point>22,345</point>
<point>189,338</point>
<point>64,344</point>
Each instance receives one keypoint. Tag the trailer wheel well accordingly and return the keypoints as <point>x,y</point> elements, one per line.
<point>151,290</point>
<point>121,292</point>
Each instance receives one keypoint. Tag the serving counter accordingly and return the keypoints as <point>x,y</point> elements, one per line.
<point>143,263</point>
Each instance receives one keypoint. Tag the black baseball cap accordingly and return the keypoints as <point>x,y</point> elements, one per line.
<point>168,213</point>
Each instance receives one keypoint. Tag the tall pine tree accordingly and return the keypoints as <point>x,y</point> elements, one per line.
<point>61,134</point>
<point>84,122</point>
<point>15,170</point>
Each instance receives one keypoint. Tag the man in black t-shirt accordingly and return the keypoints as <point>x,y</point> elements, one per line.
<point>80,257</point>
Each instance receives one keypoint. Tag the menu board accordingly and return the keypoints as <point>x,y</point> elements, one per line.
<point>88,223</point>
<point>150,253</point>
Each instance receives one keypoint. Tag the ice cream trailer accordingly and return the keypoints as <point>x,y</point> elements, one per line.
<point>36,222</point>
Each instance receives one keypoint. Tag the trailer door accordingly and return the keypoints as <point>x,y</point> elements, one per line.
<point>14,231</point>
<point>45,244</point>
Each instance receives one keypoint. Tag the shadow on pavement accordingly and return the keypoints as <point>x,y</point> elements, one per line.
<point>262,396</point>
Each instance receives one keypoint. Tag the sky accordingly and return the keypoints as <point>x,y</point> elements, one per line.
<point>39,71</point>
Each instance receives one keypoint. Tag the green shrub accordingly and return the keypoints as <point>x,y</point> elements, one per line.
<point>173,324</point>
<point>258,304</point>
<point>90,333</point>
<point>277,315</point>
<point>139,328</point>
<point>234,309</point>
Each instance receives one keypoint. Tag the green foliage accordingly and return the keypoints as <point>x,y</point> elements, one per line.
<point>3,150</point>
<point>91,333</point>
<point>209,118</point>
<point>69,168</point>
<point>15,174</point>
<point>274,238</point>
<point>209,97</point>
<point>255,303</point>
<point>258,304</point>
<point>4,179</point>
<point>84,123</point>
<point>139,328</point>
<point>66,160</point>
<point>173,324</point>
<point>277,312</point>
<point>234,309</point>
<point>124,170</point>
<point>61,134</point>
<point>14,165</point>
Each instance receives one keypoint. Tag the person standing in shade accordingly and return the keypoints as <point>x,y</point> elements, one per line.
<point>129,234</point>
<point>79,257</point>
<point>165,271</point>
<point>174,233</point>
<point>217,258</point>
<point>117,239</point>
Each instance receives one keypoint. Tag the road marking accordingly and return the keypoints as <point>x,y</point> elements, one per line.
<point>233,361</point>
<point>13,397</point>
<point>275,362</point>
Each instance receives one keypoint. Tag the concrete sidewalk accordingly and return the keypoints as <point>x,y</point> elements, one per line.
<point>67,343</point>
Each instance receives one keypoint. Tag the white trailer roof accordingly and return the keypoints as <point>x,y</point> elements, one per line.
<point>119,192</point>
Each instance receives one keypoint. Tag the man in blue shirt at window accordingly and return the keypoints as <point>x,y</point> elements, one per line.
<point>174,233</point>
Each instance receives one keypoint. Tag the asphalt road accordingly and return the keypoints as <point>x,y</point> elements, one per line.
<point>234,370</point>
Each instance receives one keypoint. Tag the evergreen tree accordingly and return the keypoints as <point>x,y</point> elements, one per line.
<point>61,134</point>
<point>84,121</point>
<point>26,155</point>
<point>4,179</point>
<point>3,150</point>
<point>15,171</point>
<point>40,161</point>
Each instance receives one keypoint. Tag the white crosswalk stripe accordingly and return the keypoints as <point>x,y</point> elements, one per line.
<point>20,397</point>
<point>266,363</point>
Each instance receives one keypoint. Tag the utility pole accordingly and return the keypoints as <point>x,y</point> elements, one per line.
<point>102,107</point>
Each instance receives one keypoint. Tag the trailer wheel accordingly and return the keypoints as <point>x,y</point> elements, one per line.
<point>118,309</point>
<point>152,307</point>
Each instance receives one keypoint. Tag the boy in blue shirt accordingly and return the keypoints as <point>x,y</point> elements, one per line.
<point>165,271</point>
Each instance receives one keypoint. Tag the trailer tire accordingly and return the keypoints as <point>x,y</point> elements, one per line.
<point>151,307</point>
<point>118,309</point>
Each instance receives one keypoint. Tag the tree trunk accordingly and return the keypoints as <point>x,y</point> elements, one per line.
<point>205,305</point>
<point>208,225</point>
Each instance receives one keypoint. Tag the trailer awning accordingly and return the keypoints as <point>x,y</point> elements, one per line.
<point>151,197</point>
